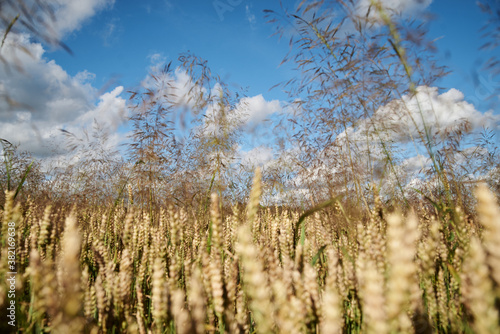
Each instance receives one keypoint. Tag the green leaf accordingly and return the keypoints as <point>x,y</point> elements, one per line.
<point>309,212</point>
<point>318,254</point>
<point>11,24</point>
<point>20,185</point>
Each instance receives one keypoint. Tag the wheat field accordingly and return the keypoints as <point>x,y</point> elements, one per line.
<point>340,232</point>
<point>254,269</point>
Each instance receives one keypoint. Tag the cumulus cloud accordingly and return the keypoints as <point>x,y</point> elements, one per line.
<point>109,111</point>
<point>51,19</point>
<point>255,157</point>
<point>364,10</point>
<point>392,6</point>
<point>441,112</point>
<point>248,113</point>
<point>397,124</point>
<point>257,109</point>
<point>405,119</point>
<point>176,88</point>
<point>70,14</point>
<point>179,89</point>
<point>44,98</point>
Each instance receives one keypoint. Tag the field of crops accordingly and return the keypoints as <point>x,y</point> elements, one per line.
<point>365,201</point>
<point>253,269</point>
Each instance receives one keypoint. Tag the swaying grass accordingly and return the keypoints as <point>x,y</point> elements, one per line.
<point>91,262</point>
<point>232,271</point>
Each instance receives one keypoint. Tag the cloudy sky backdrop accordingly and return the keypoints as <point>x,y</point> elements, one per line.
<point>116,43</point>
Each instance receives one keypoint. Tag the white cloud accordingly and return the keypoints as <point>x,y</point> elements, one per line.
<point>405,119</point>
<point>177,87</point>
<point>438,112</point>
<point>358,9</point>
<point>110,110</point>
<point>110,34</point>
<point>44,99</point>
<point>392,7</point>
<point>248,113</point>
<point>72,14</point>
<point>257,156</point>
<point>441,113</point>
<point>181,90</point>
<point>157,61</point>
<point>250,16</point>
<point>416,163</point>
<point>257,109</point>
<point>52,19</point>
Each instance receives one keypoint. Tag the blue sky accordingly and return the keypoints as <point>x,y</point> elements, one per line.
<point>114,43</point>
<point>457,25</point>
<point>117,43</point>
<point>235,40</point>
